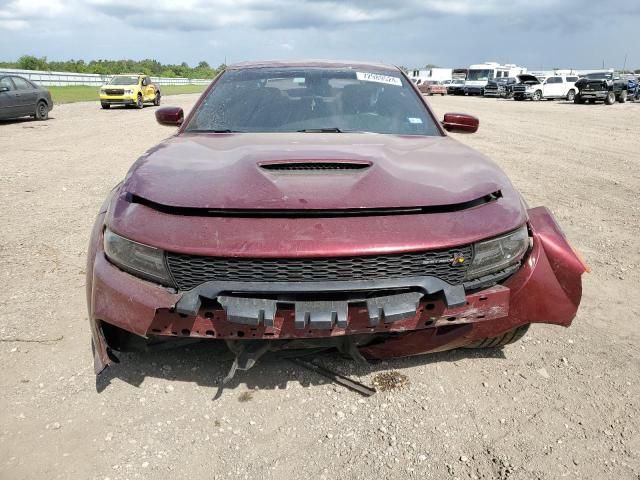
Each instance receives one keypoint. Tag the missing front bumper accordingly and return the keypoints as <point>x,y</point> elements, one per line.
<point>191,301</point>
<point>323,314</point>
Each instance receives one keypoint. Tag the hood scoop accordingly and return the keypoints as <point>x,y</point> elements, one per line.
<point>307,166</point>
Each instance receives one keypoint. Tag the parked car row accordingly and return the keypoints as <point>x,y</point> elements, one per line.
<point>607,87</point>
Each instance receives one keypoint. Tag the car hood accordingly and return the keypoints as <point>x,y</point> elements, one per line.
<point>527,78</point>
<point>243,171</point>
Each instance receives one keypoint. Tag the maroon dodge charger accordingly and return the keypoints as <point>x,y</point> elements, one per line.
<point>321,205</point>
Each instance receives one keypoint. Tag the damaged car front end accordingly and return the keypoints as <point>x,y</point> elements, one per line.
<point>376,241</point>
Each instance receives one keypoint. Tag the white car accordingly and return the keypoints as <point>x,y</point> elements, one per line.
<point>554,87</point>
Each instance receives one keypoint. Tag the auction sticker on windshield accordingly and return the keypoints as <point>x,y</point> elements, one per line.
<point>376,77</point>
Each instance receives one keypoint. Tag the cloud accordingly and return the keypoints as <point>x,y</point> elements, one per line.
<point>199,15</point>
<point>209,16</point>
<point>411,32</point>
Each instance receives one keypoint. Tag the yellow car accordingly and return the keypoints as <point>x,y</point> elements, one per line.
<point>130,89</point>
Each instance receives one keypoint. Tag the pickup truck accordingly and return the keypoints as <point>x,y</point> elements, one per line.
<point>602,86</point>
<point>132,89</point>
<point>554,87</point>
<point>432,87</point>
<point>500,87</point>
<point>456,87</point>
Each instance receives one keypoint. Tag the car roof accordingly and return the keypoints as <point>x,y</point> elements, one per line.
<point>313,64</point>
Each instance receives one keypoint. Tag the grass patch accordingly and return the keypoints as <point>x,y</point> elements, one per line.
<point>85,93</point>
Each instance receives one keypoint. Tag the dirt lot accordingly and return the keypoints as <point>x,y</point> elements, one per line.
<point>560,403</point>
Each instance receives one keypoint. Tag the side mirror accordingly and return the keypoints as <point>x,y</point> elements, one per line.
<point>4,89</point>
<point>460,122</point>
<point>170,116</point>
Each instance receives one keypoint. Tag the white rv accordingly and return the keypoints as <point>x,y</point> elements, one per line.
<point>480,74</point>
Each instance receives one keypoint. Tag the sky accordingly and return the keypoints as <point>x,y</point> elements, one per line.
<point>538,34</point>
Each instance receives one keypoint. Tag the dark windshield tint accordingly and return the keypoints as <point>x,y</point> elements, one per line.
<point>312,99</point>
<point>599,76</point>
<point>124,81</point>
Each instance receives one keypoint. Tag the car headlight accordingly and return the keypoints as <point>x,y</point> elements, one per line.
<point>138,259</point>
<point>497,254</point>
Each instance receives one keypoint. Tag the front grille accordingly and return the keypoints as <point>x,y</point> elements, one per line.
<point>189,271</point>
<point>114,91</point>
<point>519,89</point>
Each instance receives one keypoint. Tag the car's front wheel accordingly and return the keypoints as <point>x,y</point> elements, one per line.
<point>140,102</point>
<point>511,336</point>
<point>537,96</point>
<point>42,110</point>
<point>610,98</point>
<point>571,95</point>
<point>156,100</point>
<point>105,105</point>
<point>578,99</point>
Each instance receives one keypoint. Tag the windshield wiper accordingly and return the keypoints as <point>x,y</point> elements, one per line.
<point>321,130</point>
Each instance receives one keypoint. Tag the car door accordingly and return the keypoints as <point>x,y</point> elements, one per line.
<point>26,96</point>
<point>147,88</point>
<point>553,87</point>
<point>8,100</point>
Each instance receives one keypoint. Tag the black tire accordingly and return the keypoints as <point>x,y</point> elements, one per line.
<point>537,96</point>
<point>571,95</point>
<point>156,100</point>
<point>622,98</point>
<point>42,110</point>
<point>106,106</point>
<point>139,102</point>
<point>578,99</point>
<point>511,336</point>
<point>610,99</point>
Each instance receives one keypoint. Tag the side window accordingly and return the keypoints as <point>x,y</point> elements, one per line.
<point>22,84</point>
<point>572,79</point>
<point>6,82</point>
<point>554,80</point>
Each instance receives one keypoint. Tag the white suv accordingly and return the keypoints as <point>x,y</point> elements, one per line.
<point>554,87</point>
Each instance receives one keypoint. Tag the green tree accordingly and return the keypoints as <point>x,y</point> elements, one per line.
<point>29,62</point>
<point>148,66</point>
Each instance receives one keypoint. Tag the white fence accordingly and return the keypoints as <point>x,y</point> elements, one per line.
<point>71,78</point>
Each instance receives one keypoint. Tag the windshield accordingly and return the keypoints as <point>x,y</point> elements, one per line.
<point>312,100</point>
<point>480,75</point>
<point>600,76</point>
<point>124,81</point>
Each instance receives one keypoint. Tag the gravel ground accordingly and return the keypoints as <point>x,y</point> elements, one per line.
<point>560,403</point>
